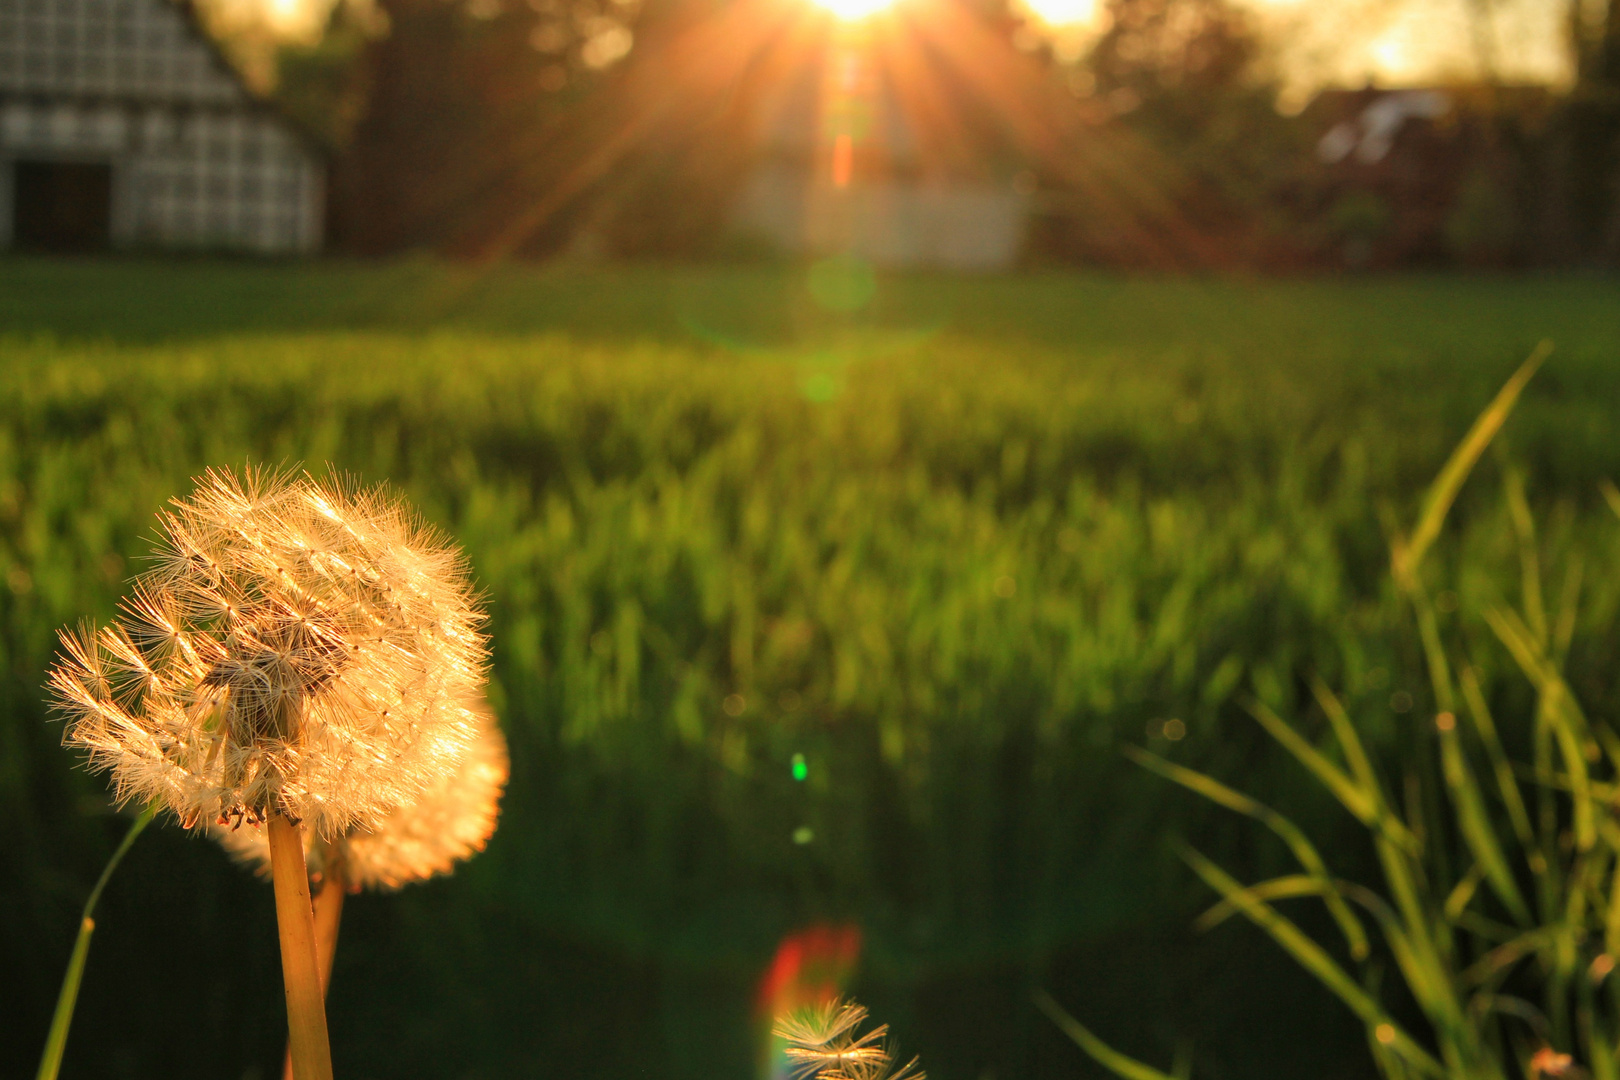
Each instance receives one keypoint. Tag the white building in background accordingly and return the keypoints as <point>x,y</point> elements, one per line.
<point>841,169</point>
<point>902,223</point>
<point>122,126</point>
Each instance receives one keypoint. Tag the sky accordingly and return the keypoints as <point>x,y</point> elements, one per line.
<point>1395,42</point>
<point>1388,42</point>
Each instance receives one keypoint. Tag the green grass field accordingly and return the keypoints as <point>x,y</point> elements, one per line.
<point>952,547</point>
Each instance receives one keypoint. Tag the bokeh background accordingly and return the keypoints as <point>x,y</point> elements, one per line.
<point>861,422</point>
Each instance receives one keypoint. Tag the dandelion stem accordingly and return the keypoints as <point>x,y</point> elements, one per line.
<point>300,969</point>
<point>56,1042</point>
<point>328,914</point>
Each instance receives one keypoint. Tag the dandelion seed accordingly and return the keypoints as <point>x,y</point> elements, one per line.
<point>299,648</point>
<point>820,1025</point>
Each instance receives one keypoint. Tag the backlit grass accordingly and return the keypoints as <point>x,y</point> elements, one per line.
<point>949,549</point>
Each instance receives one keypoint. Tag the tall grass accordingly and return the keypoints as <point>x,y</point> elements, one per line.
<point>950,555</point>
<point>1500,902</point>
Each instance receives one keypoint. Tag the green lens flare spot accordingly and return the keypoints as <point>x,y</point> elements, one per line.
<point>803,835</point>
<point>821,387</point>
<point>801,768</point>
<point>842,283</point>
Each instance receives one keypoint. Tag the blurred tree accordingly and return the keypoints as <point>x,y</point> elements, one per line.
<point>1185,74</point>
<point>462,99</point>
<point>661,148</point>
<point>1593,122</point>
<point>1182,90</point>
<point>320,84</point>
<point>1181,51</point>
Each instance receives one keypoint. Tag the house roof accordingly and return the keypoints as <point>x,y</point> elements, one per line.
<point>137,52</point>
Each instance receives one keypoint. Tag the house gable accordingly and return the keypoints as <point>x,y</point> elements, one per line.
<point>135,50</point>
<point>122,126</point>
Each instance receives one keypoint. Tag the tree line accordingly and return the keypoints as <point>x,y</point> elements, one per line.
<point>493,128</point>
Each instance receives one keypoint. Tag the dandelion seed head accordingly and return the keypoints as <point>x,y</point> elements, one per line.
<point>822,1024</point>
<point>302,647</point>
<point>824,1043</point>
<point>452,821</point>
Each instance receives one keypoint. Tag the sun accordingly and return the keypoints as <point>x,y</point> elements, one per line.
<point>852,10</point>
<point>1063,13</point>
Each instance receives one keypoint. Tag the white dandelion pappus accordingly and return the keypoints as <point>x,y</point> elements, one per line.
<point>823,1043</point>
<point>299,647</point>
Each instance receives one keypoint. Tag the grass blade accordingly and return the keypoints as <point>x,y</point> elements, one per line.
<point>1611,495</point>
<point>1309,955</point>
<point>1355,755</point>
<point>1099,1051</point>
<point>1282,888</point>
<point>1393,840</point>
<point>1611,924</point>
<point>1524,530</point>
<point>1507,786</point>
<point>1434,651</point>
<point>1355,798</point>
<point>1559,711</point>
<point>1424,973</point>
<point>1563,632</point>
<point>1499,959</point>
<point>1305,852</point>
<point>1443,492</point>
<point>50,1062</point>
<point>1473,821</point>
<point>1364,801</point>
<point>1458,899</point>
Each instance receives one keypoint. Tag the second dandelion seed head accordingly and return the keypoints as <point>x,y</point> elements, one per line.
<point>824,1042</point>
<point>450,822</point>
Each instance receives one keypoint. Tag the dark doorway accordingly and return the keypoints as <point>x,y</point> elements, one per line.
<point>62,206</point>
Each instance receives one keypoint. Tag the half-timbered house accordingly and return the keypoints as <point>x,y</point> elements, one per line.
<point>122,126</point>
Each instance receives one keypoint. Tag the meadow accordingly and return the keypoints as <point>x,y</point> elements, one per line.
<point>947,542</point>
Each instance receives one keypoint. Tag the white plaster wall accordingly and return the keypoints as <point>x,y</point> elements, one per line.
<point>200,179</point>
<point>954,226</point>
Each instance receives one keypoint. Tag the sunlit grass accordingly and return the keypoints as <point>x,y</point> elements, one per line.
<point>1504,983</point>
<point>945,550</point>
